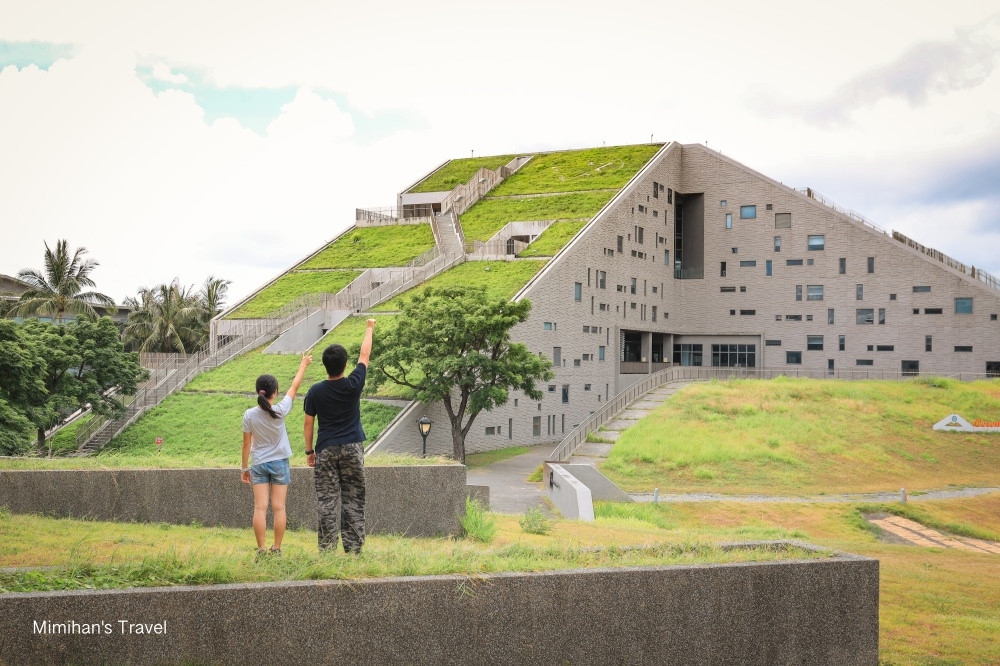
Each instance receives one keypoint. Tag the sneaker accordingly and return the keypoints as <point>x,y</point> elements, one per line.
<point>259,554</point>
<point>275,551</point>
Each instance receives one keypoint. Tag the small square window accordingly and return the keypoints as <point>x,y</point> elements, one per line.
<point>963,306</point>
<point>748,212</point>
<point>814,342</point>
<point>736,250</point>
<point>547,326</point>
<point>722,203</point>
<point>817,242</point>
<point>892,297</point>
<point>768,207</point>
<point>793,357</point>
<point>993,317</point>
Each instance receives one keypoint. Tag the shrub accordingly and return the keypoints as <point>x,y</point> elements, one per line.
<point>478,524</point>
<point>535,522</point>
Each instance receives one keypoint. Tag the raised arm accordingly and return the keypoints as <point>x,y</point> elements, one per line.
<point>307,358</point>
<point>366,345</point>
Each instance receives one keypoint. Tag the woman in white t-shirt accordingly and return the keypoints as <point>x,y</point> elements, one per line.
<point>266,440</point>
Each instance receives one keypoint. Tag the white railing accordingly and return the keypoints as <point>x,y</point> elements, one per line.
<point>971,271</point>
<point>174,373</point>
<point>854,215</point>
<point>382,217</point>
<point>627,396</point>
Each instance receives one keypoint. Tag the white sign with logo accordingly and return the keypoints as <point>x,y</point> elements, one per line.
<point>956,423</point>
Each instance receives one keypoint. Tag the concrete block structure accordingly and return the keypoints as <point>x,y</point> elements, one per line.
<point>701,261</point>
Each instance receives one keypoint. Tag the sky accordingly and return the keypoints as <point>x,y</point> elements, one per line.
<point>232,138</point>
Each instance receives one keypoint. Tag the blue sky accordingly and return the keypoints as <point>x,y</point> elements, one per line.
<point>234,137</point>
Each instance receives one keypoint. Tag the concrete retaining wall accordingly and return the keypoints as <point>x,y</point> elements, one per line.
<point>413,500</point>
<point>821,611</point>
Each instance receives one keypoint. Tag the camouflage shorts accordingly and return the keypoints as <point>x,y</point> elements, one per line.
<point>340,494</point>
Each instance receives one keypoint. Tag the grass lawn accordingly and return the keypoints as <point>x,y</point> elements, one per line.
<point>807,437</point>
<point>488,216</point>
<point>290,286</point>
<point>474,460</point>
<point>94,554</point>
<point>375,247</point>
<point>198,430</point>
<point>575,170</point>
<point>499,279</point>
<point>459,171</point>
<point>65,438</point>
<point>553,239</point>
<point>937,605</point>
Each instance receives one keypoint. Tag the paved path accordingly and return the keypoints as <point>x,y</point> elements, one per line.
<point>916,534</point>
<point>850,497</point>
<point>509,491</point>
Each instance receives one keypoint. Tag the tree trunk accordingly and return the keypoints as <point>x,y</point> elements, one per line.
<point>458,445</point>
<point>41,441</point>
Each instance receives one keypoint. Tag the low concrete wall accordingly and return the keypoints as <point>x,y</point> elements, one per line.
<point>568,494</point>
<point>822,611</point>
<point>414,500</point>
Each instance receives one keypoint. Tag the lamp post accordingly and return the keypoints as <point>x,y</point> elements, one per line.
<point>424,426</point>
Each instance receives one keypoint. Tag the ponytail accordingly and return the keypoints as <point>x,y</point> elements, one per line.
<point>267,385</point>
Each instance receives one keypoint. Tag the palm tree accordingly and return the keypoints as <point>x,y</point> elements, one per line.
<point>213,296</point>
<point>165,318</point>
<point>59,288</point>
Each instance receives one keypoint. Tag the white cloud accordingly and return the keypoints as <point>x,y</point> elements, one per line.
<point>155,190</point>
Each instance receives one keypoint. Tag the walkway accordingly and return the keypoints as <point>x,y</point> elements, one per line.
<point>509,490</point>
<point>914,533</point>
<point>593,453</point>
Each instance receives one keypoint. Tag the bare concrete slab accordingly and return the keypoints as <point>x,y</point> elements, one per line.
<point>602,489</point>
<point>620,424</point>
<point>593,449</point>
<point>634,414</point>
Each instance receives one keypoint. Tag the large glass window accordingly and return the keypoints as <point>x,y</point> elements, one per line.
<point>963,306</point>
<point>734,356</point>
<point>793,357</point>
<point>814,342</point>
<point>686,354</point>
<point>814,292</point>
<point>910,368</point>
<point>817,242</point>
<point>748,212</point>
<point>865,316</point>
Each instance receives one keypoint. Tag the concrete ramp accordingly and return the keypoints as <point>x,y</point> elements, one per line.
<point>602,489</point>
<point>306,333</point>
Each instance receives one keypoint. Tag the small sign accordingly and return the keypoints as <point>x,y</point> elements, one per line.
<point>159,441</point>
<point>956,423</point>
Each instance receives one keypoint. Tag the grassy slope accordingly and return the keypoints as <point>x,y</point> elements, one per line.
<point>489,216</point>
<point>500,279</point>
<point>375,247</point>
<point>459,171</point>
<point>553,239</point>
<point>239,375</point>
<point>576,170</point>
<point>799,436</point>
<point>204,430</point>
<point>290,286</point>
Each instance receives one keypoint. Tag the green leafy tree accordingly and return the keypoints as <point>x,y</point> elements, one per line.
<point>213,299</point>
<point>59,288</point>
<point>84,364</point>
<point>21,388</point>
<point>453,345</point>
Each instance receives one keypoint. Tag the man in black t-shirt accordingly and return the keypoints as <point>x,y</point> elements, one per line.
<point>339,457</point>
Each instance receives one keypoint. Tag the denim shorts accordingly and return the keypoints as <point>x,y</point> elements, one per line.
<point>277,472</point>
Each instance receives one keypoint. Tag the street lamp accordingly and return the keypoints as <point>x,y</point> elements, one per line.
<point>424,426</point>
